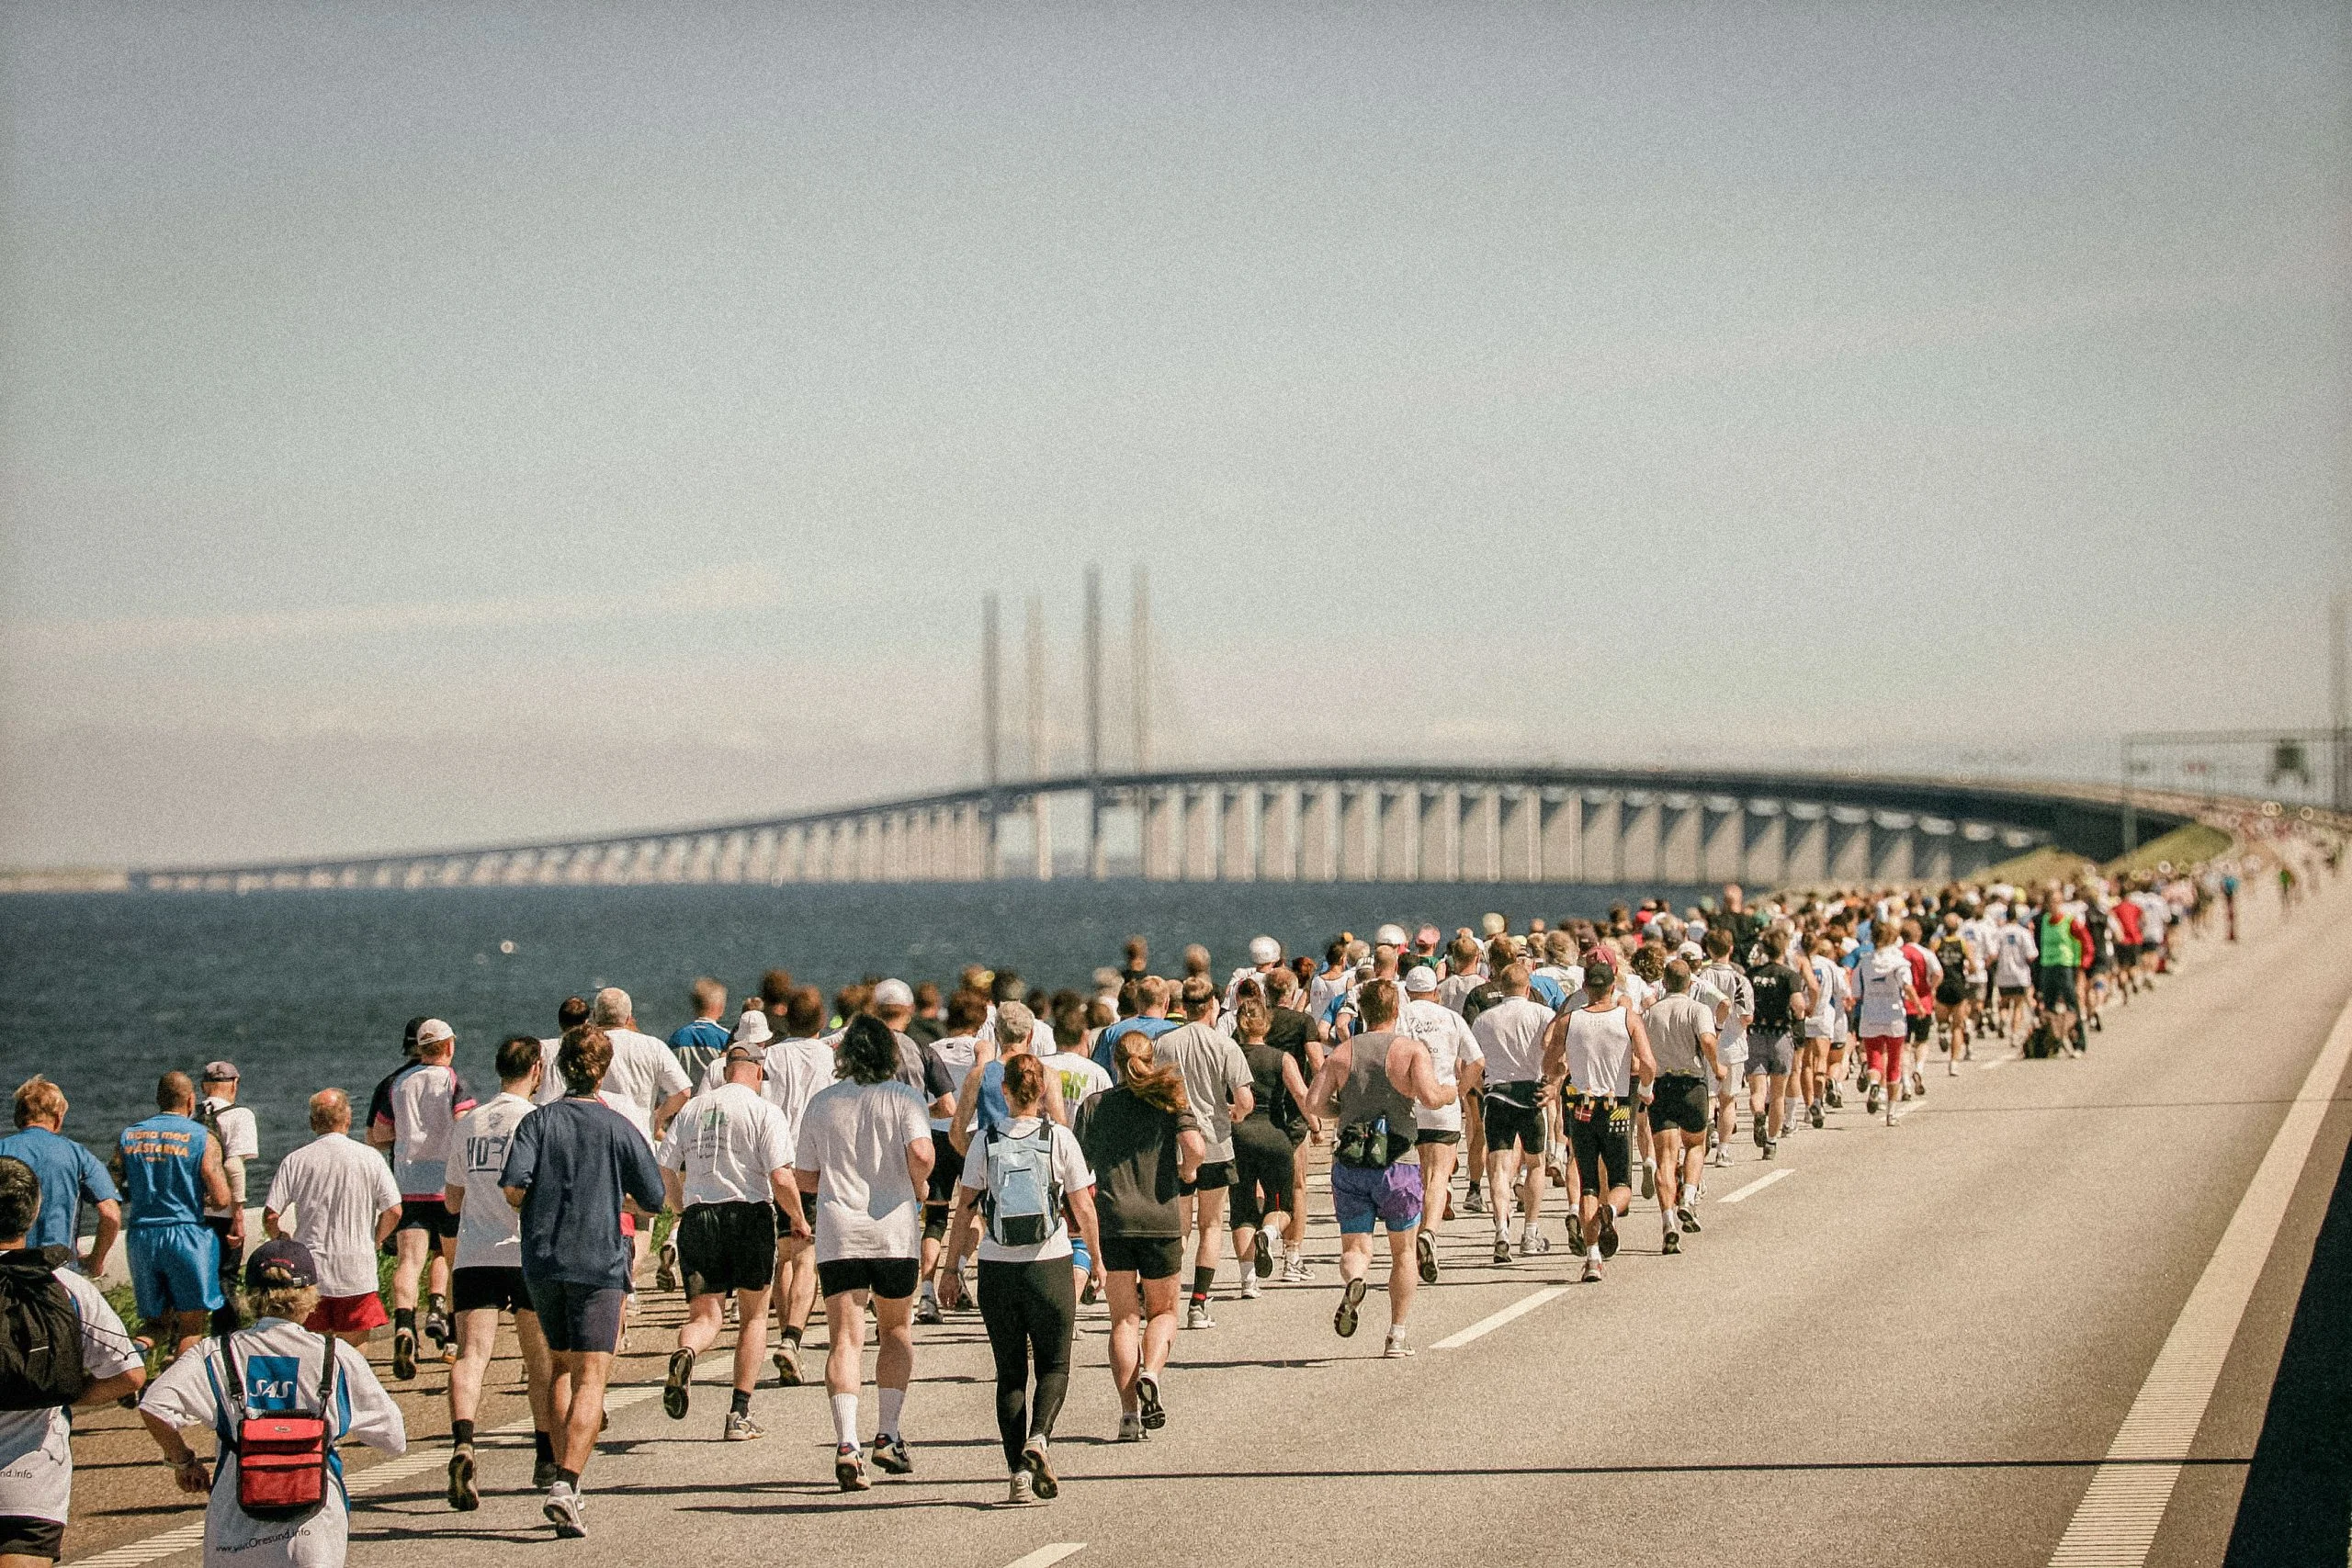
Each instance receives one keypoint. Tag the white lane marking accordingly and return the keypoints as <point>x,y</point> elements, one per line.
<point>1907,1107</point>
<point>1757,1186</point>
<point>1047,1555</point>
<point>1996,1064</point>
<point>2115,1522</point>
<point>375,1478</point>
<point>1510,1314</point>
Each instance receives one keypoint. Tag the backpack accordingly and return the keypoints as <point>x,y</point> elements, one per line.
<point>40,1333</point>
<point>1023,1202</point>
<point>283,1455</point>
<point>2043,1043</point>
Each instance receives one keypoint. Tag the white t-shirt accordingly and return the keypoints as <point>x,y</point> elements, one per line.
<point>1721,982</point>
<point>1828,1018</point>
<point>490,1233</point>
<point>955,1052</point>
<point>725,1142</point>
<point>1454,989</point>
<point>239,1140</point>
<point>1883,977</point>
<point>550,1088</point>
<point>797,1069</point>
<point>36,1446</point>
<point>644,1071</point>
<point>336,1187</point>
<point>424,1114</point>
<point>1510,1035</point>
<point>1081,1077</point>
<point>855,1136</point>
<point>1452,1045</point>
<point>2013,964</point>
<point>280,1364</point>
<point>1069,1169</point>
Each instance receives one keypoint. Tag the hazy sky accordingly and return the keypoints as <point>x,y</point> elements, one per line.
<point>431,424</point>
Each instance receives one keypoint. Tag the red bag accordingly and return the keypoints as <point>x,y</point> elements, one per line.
<point>282,1456</point>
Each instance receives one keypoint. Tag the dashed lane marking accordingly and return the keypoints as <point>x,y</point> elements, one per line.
<point>1044,1556</point>
<point>2115,1522</point>
<point>1493,1320</point>
<point>1757,1186</point>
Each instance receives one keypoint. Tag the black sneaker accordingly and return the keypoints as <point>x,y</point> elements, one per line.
<point>1607,1232</point>
<point>673,1392</point>
<point>1771,1148</point>
<point>1763,1139</point>
<point>1427,1255</point>
<point>1818,1120</point>
<point>462,1495</point>
<point>1837,1099</point>
<point>542,1474</point>
<point>1343,1320</point>
<point>1147,1406</point>
<point>1672,1243</point>
<point>403,1354</point>
<point>1263,1262</point>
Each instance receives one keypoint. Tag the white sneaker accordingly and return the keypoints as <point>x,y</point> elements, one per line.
<point>1296,1271</point>
<point>1021,1492</point>
<point>1197,1316</point>
<point>1396,1349</point>
<point>1131,1429</point>
<point>562,1509</point>
<point>1251,1288</point>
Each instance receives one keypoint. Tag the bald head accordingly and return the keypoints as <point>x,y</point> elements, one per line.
<point>176,1091</point>
<point>329,1112</point>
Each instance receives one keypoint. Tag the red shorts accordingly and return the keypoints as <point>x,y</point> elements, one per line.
<point>1884,1054</point>
<point>347,1315</point>
<point>629,1225</point>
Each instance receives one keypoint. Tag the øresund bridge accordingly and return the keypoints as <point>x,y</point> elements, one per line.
<point>1362,823</point>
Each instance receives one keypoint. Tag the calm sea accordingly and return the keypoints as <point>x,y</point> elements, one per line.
<point>105,992</point>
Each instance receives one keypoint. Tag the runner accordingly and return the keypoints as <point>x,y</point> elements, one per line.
<point>797,1067</point>
<point>1683,1040</point>
<point>947,1062</point>
<point>1142,1142</point>
<point>1018,1177</point>
<point>1264,1175</point>
<point>728,1168</point>
<point>573,1168</point>
<point>1825,1029</point>
<point>1368,1089</point>
<point>865,1150</point>
<point>1781,999</point>
<point>346,1208</point>
<point>2015,957</point>
<point>1216,1085</point>
<point>1510,1035</point>
<point>701,1042</point>
<point>71,1176</point>
<point>424,1106</point>
<point>1456,1057</point>
<point>1735,1010</point>
<point>1298,1034</point>
<point>233,1125</point>
<point>487,1278</point>
<point>1954,957</point>
<point>1594,1055</point>
<point>1883,985</point>
<point>170,1169</point>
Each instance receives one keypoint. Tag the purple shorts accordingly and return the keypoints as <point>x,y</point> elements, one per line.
<point>1392,1196</point>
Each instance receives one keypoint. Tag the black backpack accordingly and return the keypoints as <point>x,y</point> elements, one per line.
<point>40,1333</point>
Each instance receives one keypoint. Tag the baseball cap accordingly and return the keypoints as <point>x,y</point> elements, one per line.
<point>1389,936</point>
<point>753,1029</point>
<point>1419,978</point>
<point>894,994</point>
<point>740,1052</point>
<point>219,1072</point>
<point>1265,949</point>
<point>1493,925</point>
<point>1426,939</point>
<point>280,1265</point>
<point>432,1029</point>
<point>1691,951</point>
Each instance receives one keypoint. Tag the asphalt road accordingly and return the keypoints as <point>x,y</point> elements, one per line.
<point>1915,1347</point>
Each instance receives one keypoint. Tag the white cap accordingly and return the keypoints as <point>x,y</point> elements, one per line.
<point>1389,936</point>
<point>432,1029</point>
<point>1420,977</point>
<point>1691,951</point>
<point>1265,949</point>
<point>894,994</point>
<point>751,1029</point>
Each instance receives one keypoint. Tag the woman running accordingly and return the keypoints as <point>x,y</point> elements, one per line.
<point>1141,1142</point>
<point>1018,1177</point>
<point>1263,1182</point>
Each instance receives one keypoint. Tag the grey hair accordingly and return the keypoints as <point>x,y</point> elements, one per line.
<point>330,1108</point>
<point>613,1009</point>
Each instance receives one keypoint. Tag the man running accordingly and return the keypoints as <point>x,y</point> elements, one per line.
<point>1456,1060</point>
<point>423,1107</point>
<point>487,1278</point>
<point>1781,999</point>
<point>1725,980</point>
<point>1510,1042</point>
<point>797,1067</point>
<point>1683,1036</point>
<point>1368,1089</point>
<point>728,1168</point>
<point>1218,1083</point>
<point>171,1170</point>
<point>217,1109</point>
<point>346,1206</point>
<point>1594,1054</point>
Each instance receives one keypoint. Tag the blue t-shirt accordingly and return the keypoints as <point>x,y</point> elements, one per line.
<point>163,1171</point>
<point>700,1044</point>
<point>69,1176</point>
<point>578,1159</point>
<point>1107,1041</point>
<point>1549,990</point>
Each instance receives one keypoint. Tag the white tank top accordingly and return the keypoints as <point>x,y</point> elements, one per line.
<point>1600,1051</point>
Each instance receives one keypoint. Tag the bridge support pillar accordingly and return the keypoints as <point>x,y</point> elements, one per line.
<point>1515,834</point>
<point>1680,846</point>
<point>1356,844</point>
<point>1637,838</point>
<point>1479,820</point>
<point>1600,829</point>
<point>1931,851</point>
<point>1850,845</point>
<point>1763,845</point>
<point>1199,835</point>
<point>1805,858</point>
<point>1436,858</point>
<point>1041,836</point>
<point>1556,838</point>
<point>1277,834</point>
<point>1235,861</point>
<point>1719,840</point>
<point>1395,859</point>
<point>1891,848</point>
<point>1318,861</point>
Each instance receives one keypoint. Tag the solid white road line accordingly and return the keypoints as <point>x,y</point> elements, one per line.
<point>1757,1186</point>
<point>1044,1556</point>
<point>2115,1522</point>
<point>1510,1314</point>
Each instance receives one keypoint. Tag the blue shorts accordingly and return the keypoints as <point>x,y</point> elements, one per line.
<point>1079,1258</point>
<point>175,1268</point>
<point>1392,1196</point>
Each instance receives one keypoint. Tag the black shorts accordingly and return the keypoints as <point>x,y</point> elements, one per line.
<point>1509,1124</point>
<point>22,1536</point>
<point>1603,1154</point>
<point>940,1193</point>
<point>2055,987</point>
<point>1919,1027</point>
<point>1680,1105</point>
<point>586,1318</point>
<point>1151,1257</point>
<point>430,1215</point>
<point>726,1247</point>
<point>1215,1176</point>
<point>1428,1136</point>
<point>891,1279</point>
<point>1264,1180</point>
<point>1951,992</point>
<point>2011,993</point>
<point>489,1290</point>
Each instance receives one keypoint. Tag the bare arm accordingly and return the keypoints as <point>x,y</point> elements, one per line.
<point>1328,1081</point>
<point>1644,1065</point>
<point>921,1158</point>
<point>785,1191</point>
<point>1190,1148</point>
<point>666,1110</point>
<point>106,1390</point>
<point>967,1105</point>
<point>1555,1051</point>
<point>109,1227</point>
<point>187,1470</point>
<point>515,1196</point>
<point>390,1221</point>
<point>673,1188</point>
<point>1292,1081</point>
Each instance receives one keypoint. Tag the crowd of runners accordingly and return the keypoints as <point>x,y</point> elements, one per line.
<point>901,1153</point>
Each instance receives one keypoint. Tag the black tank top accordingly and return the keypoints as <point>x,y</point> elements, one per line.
<point>1274,1103</point>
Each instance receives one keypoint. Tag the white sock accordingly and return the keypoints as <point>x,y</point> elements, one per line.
<point>930,1290</point>
<point>893,1400</point>
<point>845,1420</point>
<point>1593,1252</point>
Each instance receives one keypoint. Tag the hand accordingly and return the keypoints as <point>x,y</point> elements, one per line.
<point>797,1228</point>
<point>951,1289</point>
<point>190,1475</point>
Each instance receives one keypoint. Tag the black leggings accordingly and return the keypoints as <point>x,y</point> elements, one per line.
<point>1030,1310</point>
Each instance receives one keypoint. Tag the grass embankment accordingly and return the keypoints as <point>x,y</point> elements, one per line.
<point>2185,847</point>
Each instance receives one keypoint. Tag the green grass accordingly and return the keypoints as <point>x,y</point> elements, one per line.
<point>2188,845</point>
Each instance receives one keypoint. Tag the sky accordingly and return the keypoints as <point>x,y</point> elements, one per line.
<point>442,424</point>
